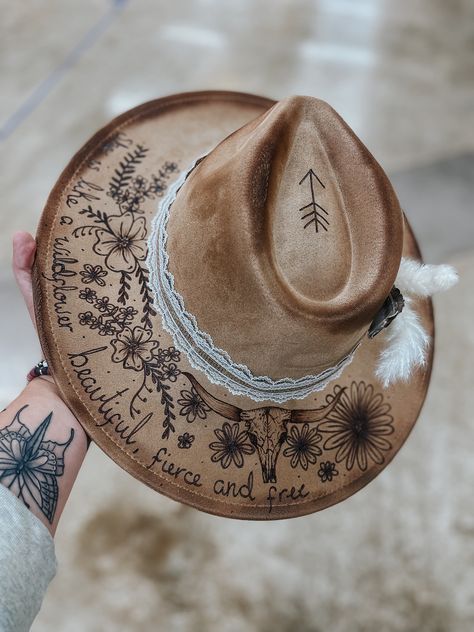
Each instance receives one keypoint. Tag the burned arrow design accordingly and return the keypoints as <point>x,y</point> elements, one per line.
<point>314,210</point>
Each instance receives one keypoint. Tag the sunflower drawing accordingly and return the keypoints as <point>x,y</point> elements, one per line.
<point>192,406</point>
<point>231,446</point>
<point>303,446</point>
<point>358,427</point>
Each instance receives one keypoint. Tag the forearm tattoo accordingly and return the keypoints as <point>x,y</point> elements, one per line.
<point>30,464</point>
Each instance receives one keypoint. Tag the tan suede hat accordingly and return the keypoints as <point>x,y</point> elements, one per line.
<point>213,269</point>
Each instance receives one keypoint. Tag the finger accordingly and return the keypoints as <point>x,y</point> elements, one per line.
<point>24,248</point>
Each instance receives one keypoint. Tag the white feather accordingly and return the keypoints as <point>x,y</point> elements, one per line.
<point>407,340</point>
<point>407,344</point>
<point>421,279</point>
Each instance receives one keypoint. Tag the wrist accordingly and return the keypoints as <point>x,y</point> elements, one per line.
<point>45,384</point>
<point>44,431</point>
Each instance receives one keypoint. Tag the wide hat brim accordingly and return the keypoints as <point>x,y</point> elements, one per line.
<point>119,371</point>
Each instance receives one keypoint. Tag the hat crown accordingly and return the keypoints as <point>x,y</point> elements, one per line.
<point>285,240</point>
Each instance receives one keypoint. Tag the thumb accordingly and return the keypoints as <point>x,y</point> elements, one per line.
<point>24,248</point>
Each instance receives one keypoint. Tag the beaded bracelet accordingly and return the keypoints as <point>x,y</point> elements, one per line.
<point>41,368</point>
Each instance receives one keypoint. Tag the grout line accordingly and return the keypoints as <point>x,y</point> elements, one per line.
<point>40,93</point>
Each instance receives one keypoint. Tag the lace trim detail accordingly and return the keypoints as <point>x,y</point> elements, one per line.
<point>198,345</point>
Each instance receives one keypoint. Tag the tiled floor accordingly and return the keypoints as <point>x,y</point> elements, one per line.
<point>401,73</point>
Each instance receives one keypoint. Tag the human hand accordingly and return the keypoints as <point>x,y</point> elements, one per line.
<point>24,249</point>
<point>40,408</point>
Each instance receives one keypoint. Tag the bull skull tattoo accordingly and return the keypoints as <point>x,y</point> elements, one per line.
<point>266,426</point>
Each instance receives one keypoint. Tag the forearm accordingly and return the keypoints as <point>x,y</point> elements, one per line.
<point>42,446</point>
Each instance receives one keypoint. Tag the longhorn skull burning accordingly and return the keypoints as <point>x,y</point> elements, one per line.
<point>266,426</point>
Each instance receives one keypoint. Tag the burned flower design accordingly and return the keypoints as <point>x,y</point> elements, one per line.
<point>122,242</point>
<point>185,440</point>
<point>107,326</point>
<point>171,372</point>
<point>158,186</point>
<point>171,354</point>
<point>327,471</point>
<point>140,184</point>
<point>192,406</point>
<point>170,167</point>
<point>93,274</point>
<point>231,445</point>
<point>88,319</point>
<point>133,347</point>
<point>88,294</point>
<point>130,200</point>
<point>126,314</point>
<point>303,446</point>
<point>103,304</point>
<point>358,427</point>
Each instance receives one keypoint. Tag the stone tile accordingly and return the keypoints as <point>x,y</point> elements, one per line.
<point>398,72</point>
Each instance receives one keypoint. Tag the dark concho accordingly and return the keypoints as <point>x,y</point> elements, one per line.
<point>392,306</point>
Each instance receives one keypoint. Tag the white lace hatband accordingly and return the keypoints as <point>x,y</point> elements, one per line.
<point>198,346</point>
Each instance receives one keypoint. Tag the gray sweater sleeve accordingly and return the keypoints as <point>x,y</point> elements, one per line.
<point>27,563</point>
